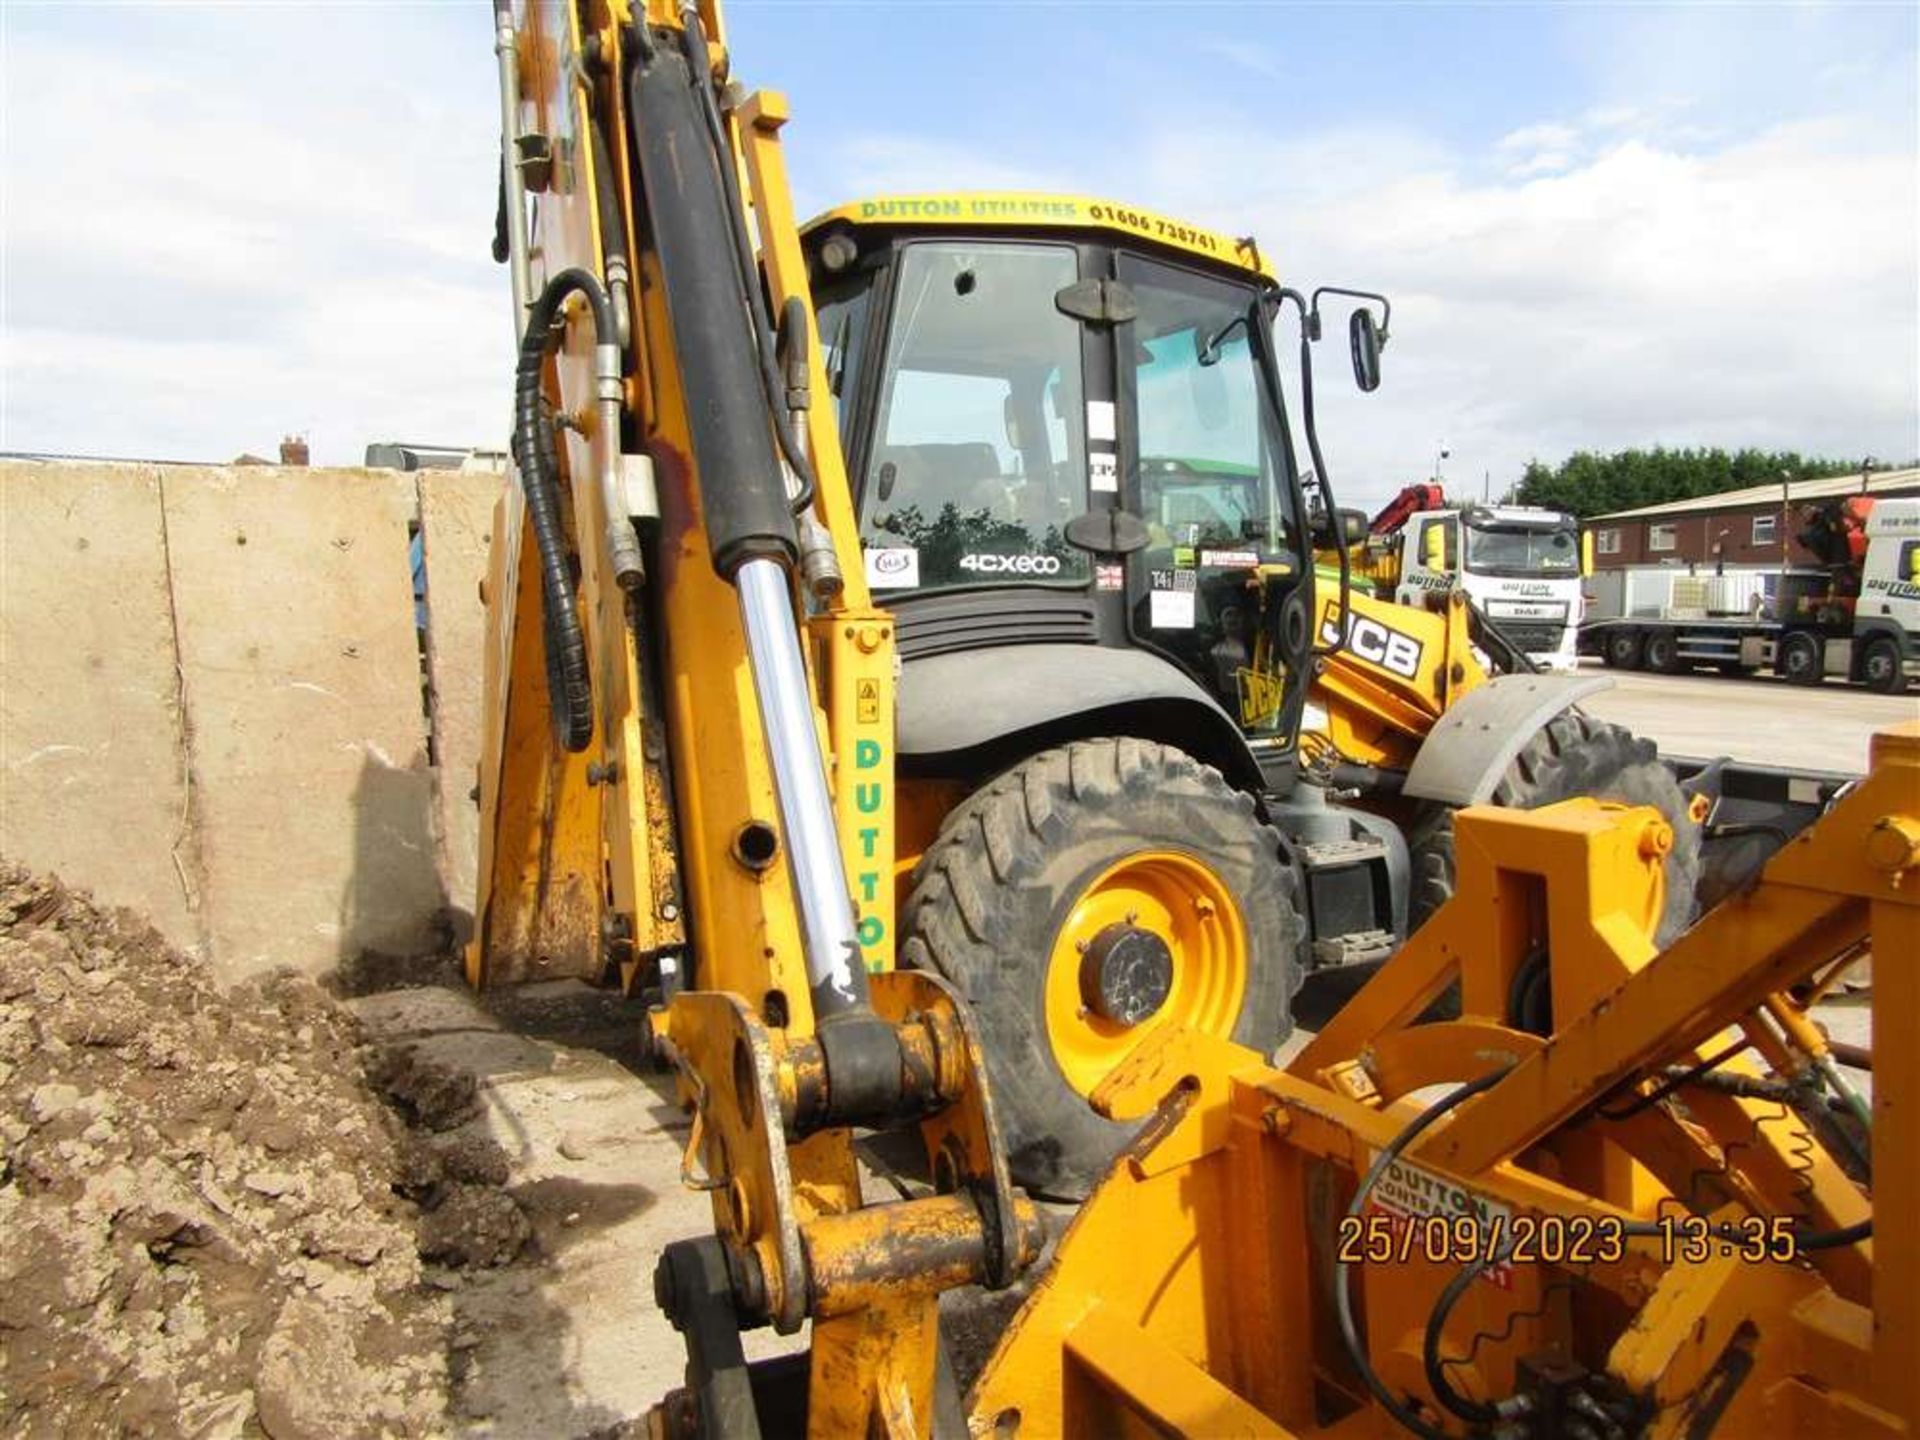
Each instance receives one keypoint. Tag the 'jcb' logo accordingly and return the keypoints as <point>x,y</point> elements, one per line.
<point>1376,644</point>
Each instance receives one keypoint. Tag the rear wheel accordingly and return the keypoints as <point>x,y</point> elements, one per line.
<point>1572,755</point>
<point>1623,649</point>
<point>1881,668</point>
<point>1663,652</point>
<point>1084,899</point>
<point>1799,658</point>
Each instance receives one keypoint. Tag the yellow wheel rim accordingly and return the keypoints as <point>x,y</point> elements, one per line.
<point>1189,907</point>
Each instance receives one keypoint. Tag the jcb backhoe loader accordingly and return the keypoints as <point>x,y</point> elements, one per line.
<point>1074,485</point>
<point>698,780</point>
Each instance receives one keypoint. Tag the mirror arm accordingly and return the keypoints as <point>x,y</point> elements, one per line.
<point>1312,307</point>
<point>1309,329</point>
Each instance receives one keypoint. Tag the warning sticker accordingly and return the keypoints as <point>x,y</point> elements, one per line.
<point>1171,610</point>
<point>1230,559</point>
<point>1103,471</point>
<point>866,701</point>
<point>893,569</point>
<point>1109,576</point>
<point>1407,1195</point>
<point>1101,420</point>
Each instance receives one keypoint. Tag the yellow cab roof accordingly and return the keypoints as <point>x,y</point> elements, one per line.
<point>1009,209</point>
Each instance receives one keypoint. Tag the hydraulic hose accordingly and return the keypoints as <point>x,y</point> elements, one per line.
<point>1398,1408</point>
<point>569,686</point>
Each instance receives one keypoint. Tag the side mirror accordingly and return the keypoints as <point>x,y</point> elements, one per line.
<point>1586,553</point>
<point>1364,339</point>
<point>1347,529</point>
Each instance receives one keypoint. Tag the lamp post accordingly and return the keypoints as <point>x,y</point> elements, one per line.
<point>1443,454</point>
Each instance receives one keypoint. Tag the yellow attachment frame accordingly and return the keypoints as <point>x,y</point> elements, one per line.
<point>1190,1294</point>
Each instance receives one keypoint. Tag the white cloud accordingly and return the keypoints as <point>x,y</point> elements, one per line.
<point>217,229</point>
<point>209,243</point>
<point>1548,136</point>
<point>1655,291</point>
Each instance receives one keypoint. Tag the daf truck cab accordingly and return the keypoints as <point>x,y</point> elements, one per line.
<point>1521,565</point>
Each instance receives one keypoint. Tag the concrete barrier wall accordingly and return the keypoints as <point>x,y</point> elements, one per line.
<point>216,707</point>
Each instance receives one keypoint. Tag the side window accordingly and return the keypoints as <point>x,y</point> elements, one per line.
<point>1908,567</point>
<point>1436,550</point>
<point>842,321</point>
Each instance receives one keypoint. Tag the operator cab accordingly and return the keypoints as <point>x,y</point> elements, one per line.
<point>1063,424</point>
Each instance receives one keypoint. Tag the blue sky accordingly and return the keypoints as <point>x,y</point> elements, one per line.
<point>1602,225</point>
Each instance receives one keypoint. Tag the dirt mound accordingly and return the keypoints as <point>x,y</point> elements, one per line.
<point>198,1199</point>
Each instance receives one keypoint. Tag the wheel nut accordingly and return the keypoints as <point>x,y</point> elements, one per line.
<point>1656,840</point>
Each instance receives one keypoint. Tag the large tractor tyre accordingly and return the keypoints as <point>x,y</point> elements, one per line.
<point>1881,668</point>
<point>1572,755</point>
<point>1083,899</point>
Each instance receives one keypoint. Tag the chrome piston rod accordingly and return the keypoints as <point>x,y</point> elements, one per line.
<point>835,973</point>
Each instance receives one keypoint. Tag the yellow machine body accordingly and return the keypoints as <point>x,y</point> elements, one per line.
<point>1191,1293</point>
<point>1186,1297</point>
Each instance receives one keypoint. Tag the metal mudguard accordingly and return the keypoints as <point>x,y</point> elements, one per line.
<point>1471,745</point>
<point>968,702</point>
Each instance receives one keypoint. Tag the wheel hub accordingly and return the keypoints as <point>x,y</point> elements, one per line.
<point>1126,974</point>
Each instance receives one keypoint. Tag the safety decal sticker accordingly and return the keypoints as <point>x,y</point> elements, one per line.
<point>1175,580</point>
<point>1109,576</point>
<point>1101,421</point>
<point>896,568</point>
<point>1171,610</point>
<point>1103,471</point>
<point>1183,557</point>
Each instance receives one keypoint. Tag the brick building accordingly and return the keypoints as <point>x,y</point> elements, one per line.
<point>1736,527</point>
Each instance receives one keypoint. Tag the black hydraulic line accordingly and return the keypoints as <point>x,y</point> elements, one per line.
<point>693,39</point>
<point>1476,1412</point>
<point>1342,1290</point>
<point>569,685</point>
<point>733,430</point>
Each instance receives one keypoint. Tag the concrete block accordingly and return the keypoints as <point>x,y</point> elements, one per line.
<point>306,713</point>
<point>456,530</point>
<point>92,761</point>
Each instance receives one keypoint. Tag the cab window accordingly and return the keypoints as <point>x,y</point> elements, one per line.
<point>1209,447</point>
<point>1435,549</point>
<point>978,459</point>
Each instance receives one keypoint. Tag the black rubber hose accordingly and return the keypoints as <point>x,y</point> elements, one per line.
<point>569,685</point>
<point>1343,1292</point>
<point>613,222</point>
<point>1476,1412</point>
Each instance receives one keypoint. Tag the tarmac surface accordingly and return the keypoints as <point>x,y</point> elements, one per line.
<point>1761,720</point>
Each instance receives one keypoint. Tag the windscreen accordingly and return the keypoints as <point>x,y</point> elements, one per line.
<point>979,457</point>
<point>1522,550</point>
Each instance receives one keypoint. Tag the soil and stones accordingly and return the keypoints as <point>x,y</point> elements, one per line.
<point>213,1224</point>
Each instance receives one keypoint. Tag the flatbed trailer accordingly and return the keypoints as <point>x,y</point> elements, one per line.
<point>1882,657</point>
<point>1860,622</point>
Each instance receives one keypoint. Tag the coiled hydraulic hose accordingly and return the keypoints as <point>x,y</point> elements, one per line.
<point>569,686</point>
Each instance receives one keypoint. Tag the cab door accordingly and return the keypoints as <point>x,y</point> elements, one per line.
<point>1429,559</point>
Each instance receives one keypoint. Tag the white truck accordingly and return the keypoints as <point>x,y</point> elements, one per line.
<point>1520,565</point>
<point>1856,618</point>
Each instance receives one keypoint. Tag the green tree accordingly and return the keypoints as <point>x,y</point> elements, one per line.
<point>1587,483</point>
